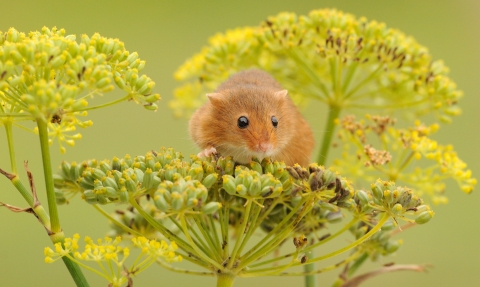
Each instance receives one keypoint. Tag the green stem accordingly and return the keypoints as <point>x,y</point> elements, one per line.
<point>310,279</point>
<point>116,222</point>
<point>333,114</point>
<point>75,272</point>
<point>240,234</point>
<point>106,104</point>
<point>11,147</point>
<point>48,173</point>
<point>357,242</point>
<point>225,280</point>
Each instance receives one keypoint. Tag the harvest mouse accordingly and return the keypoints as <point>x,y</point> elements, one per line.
<point>251,115</point>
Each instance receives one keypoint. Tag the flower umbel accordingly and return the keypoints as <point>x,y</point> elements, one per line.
<point>330,56</point>
<point>405,147</point>
<point>111,257</point>
<point>267,198</point>
<point>51,77</point>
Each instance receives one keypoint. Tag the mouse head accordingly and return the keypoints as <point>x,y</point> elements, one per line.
<point>254,122</point>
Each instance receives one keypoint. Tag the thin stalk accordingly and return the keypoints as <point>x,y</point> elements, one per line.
<point>11,148</point>
<point>310,247</point>
<point>309,71</point>
<point>165,232</point>
<point>251,228</point>
<point>106,104</point>
<point>240,234</point>
<point>365,81</point>
<point>357,242</point>
<point>215,249</point>
<point>333,114</point>
<point>274,231</point>
<point>195,247</point>
<point>48,173</point>
<point>116,222</point>
<point>184,271</point>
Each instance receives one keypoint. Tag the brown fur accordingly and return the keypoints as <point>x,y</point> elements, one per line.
<point>253,94</point>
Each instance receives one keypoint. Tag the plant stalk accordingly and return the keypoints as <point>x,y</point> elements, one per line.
<point>333,114</point>
<point>225,280</point>
<point>56,231</point>
<point>48,173</point>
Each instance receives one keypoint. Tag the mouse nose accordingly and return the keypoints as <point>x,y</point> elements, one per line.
<point>264,146</point>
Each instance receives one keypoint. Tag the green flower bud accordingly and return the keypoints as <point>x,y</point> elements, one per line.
<point>90,196</point>
<point>424,217</point>
<point>164,193</point>
<point>255,187</point>
<point>266,191</point>
<point>211,207</point>
<point>256,166</point>
<point>241,189</point>
<point>210,180</point>
<point>111,192</point>
<point>393,246</point>
<point>229,165</point>
<point>109,182</point>
<point>131,185</point>
<point>59,196</point>
<point>98,173</point>
<point>177,201</point>
<point>328,177</point>
<point>192,202</point>
<point>138,173</point>
<point>388,196</point>
<point>161,203</point>
<point>397,209</point>
<point>389,225</point>
<point>123,195</point>
<point>196,173</point>
<point>105,167</point>
<point>116,163</point>
<point>377,190</point>
<point>147,179</point>
<point>66,168</point>
<point>85,184</point>
<point>267,166</point>
<point>363,197</point>
<point>152,98</point>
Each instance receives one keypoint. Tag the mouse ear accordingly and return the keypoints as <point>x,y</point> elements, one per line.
<point>215,98</point>
<point>281,94</point>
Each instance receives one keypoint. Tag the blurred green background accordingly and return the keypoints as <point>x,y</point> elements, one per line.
<point>165,33</point>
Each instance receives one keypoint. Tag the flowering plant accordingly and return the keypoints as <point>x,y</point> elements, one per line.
<point>213,209</point>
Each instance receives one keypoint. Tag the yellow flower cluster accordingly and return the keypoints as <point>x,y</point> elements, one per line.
<point>328,56</point>
<point>109,252</point>
<point>405,146</point>
<point>48,76</point>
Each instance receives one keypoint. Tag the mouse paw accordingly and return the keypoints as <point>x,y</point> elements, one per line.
<point>207,152</point>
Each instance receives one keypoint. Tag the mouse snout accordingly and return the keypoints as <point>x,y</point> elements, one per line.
<point>264,146</point>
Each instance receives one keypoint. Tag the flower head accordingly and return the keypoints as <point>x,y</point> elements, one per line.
<point>329,56</point>
<point>49,76</point>
<point>363,163</point>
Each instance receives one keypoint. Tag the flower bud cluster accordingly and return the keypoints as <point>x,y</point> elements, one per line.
<point>373,63</point>
<point>48,75</point>
<point>174,185</point>
<point>262,180</point>
<point>398,201</point>
<point>405,147</point>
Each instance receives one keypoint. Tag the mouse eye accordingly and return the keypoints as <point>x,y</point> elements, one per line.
<point>242,122</point>
<point>274,121</point>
